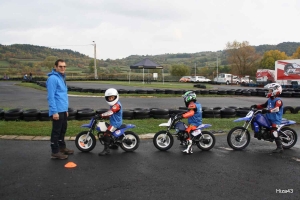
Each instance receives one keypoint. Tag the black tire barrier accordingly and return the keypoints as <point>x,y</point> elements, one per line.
<point>296,110</point>
<point>150,91</point>
<point>158,91</point>
<point>141,113</point>
<point>228,113</point>
<point>1,113</point>
<point>213,91</point>
<point>31,113</point>
<point>296,94</point>
<point>122,91</point>
<point>137,113</point>
<point>141,91</point>
<point>169,92</point>
<point>231,92</point>
<point>288,108</point>
<point>222,92</point>
<point>14,114</point>
<point>44,115</point>
<point>204,92</point>
<point>72,112</point>
<point>181,92</point>
<point>242,112</point>
<point>85,113</point>
<point>128,114</point>
<point>211,113</point>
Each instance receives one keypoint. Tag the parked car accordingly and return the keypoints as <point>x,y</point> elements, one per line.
<point>246,79</point>
<point>227,79</point>
<point>185,79</point>
<point>199,79</point>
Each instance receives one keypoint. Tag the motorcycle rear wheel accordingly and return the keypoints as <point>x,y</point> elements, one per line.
<point>163,140</point>
<point>85,144</point>
<point>235,139</point>
<point>287,144</point>
<point>130,141</point>
<point>206,141</point>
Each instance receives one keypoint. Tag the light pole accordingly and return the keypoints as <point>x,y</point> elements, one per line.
<point>95,68</point>
<point>195,69</point>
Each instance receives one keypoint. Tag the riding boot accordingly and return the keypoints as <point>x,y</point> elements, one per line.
<point>106,151</point>
<point>189,149</point>
<point>279,148</point>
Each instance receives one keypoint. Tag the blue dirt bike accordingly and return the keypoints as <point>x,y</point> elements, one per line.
<point>238,138</point>
<point>86,141</point>
<point>163,140</point>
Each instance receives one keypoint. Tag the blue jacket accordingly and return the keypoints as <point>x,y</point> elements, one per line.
<point>274,118</point>
<point>57,93</point>
<point>196,119</point>
<point>116,119</point>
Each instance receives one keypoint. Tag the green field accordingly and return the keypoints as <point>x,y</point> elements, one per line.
<point>42,128</point>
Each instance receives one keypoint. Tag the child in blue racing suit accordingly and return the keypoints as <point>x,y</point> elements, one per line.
<point>194,115</point>
<point>273,108</point>
<point>115,118</point>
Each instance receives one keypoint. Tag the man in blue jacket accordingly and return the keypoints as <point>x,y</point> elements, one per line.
<point>58,109</point>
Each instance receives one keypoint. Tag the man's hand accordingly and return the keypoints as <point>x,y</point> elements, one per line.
<point>55,116</point>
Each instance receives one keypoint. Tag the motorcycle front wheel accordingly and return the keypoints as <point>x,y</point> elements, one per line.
<point>205,141</point>
<point>163,140</point>
<point>290,140</point>
<point>84,143</point>
<point>238,138</point>
<point>130,141</point>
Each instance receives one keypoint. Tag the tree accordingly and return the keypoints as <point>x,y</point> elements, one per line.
<point>180,70</point>
<point>242,57</point>
<point>269,58</point>
<point>49,62</point>
<point>296,55</point>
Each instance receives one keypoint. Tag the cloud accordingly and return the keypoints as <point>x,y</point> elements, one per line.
<point>128,27</point>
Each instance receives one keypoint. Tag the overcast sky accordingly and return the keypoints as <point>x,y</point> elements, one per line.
<point>122,28</point>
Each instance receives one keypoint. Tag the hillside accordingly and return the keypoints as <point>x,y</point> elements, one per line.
<point>20,56</point>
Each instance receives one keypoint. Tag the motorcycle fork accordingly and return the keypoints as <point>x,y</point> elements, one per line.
<point>246,126</point>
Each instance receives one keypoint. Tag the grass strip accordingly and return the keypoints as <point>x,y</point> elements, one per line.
<point>143,126</point>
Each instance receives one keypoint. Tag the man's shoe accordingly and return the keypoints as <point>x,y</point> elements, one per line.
<point>66,151</point>
<point>59,156</point>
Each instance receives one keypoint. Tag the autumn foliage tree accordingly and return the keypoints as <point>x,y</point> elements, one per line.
<point>242,57</point>
<point>269,58</point>
<point>296,55</point>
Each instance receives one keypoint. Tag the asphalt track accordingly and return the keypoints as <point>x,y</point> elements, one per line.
<point>27,172</point>
<point>13,96</point>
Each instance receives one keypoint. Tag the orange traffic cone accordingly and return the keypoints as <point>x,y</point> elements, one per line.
<point>70,165</point>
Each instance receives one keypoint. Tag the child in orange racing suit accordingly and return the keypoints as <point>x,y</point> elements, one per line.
<point>194,115</point>
<point>115,118</point>
<point>274,111</point>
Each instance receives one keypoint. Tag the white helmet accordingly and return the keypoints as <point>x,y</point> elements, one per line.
<point>274,89</point>
<point>111,92</point>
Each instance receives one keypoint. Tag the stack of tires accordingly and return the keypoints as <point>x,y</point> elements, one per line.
<point>13,114</point>
<point>85,114</point>
<point>31,115</point>
<point>158,113</point>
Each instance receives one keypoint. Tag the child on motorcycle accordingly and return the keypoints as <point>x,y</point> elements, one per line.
<point>194,115</point>
<point>114,115</point>
<point>273,108</point>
